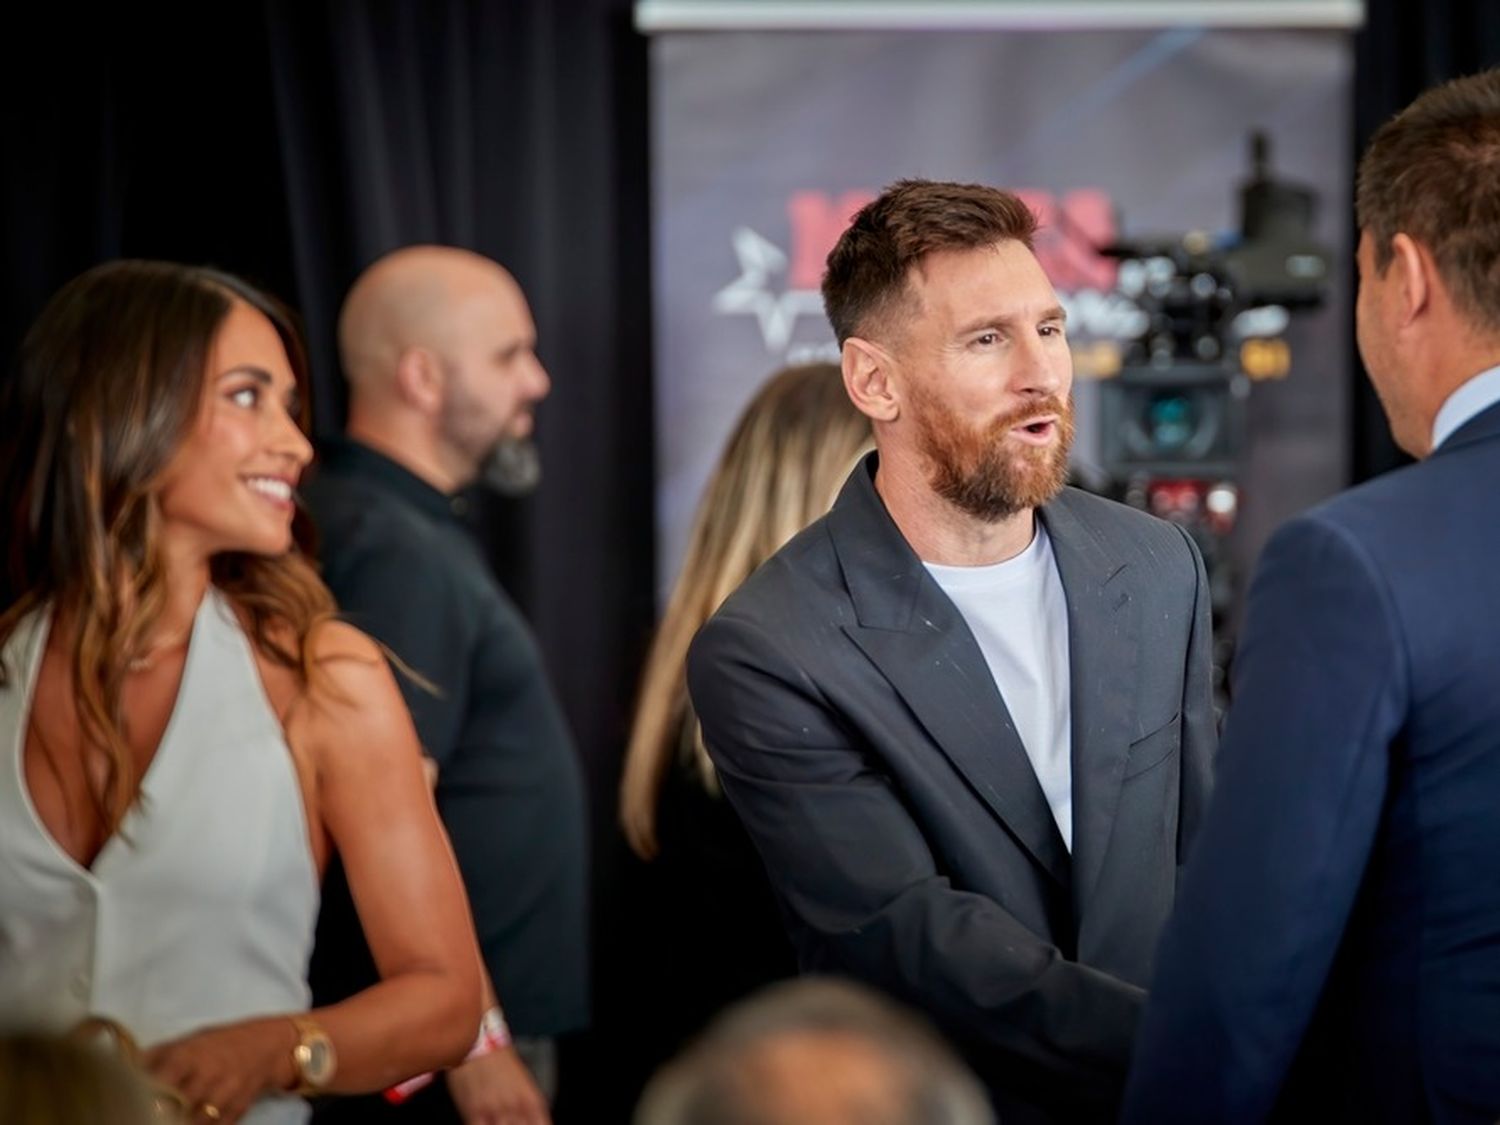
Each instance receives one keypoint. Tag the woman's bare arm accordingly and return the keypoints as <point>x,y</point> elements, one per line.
<point>377,808</point>
<point>371,799</point>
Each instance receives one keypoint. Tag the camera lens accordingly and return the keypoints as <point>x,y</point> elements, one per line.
<point>1171,421</point>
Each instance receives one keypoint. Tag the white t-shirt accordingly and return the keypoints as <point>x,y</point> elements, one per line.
<point>1018,614</point>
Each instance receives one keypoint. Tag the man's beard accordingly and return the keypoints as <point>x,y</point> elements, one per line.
<point>513,468</point>
<point>985,473</point>
<point>506,464</point>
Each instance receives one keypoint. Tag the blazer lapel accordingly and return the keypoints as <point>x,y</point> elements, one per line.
<point>920,643</point>
<point>1102,656</point>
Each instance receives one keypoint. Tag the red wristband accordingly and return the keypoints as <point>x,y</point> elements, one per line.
<point>494,1035</point>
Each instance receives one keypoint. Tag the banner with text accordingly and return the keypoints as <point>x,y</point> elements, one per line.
<point>764,143</point>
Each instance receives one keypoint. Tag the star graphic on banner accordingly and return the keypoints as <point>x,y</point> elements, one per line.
<point>759,258</point>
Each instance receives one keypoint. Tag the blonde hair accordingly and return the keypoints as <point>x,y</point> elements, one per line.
<point>788,456</point>
<point>109,384</point>
<point>49,1081</point>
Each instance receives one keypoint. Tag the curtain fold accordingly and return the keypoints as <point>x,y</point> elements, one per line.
<point>491,126</point>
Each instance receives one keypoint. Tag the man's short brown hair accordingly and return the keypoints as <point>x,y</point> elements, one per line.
<point>1433,172</point>
<point>867,270</point>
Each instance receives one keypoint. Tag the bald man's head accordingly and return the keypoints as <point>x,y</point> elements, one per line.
<point>825,1076</point>
<point>412,298</point>
<point>815,1052</point>
<point>442,336</point>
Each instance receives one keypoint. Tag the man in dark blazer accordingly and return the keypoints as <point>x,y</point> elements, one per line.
<point>966,717</point>
<point>1335,955</point>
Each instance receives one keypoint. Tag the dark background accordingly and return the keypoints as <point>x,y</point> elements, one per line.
<point>293,143</point>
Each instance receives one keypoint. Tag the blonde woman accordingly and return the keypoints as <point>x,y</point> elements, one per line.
<point>48,1080</point>
<point>788,456</point>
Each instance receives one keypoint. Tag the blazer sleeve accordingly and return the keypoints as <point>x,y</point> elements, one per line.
<point>1200,725</point>
<point>865,896</point>
<point>1320,693</point>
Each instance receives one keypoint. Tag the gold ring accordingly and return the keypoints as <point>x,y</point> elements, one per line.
<point>210,1111</point>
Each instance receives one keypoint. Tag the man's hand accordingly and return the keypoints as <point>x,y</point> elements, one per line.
<point>497,1089</point>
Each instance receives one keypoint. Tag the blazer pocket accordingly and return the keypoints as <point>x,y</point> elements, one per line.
<point>1154,748</point>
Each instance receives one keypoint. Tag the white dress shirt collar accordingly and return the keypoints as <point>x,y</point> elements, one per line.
<point>1478,394</point>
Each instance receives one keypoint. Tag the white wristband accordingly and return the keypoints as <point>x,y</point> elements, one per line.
<point>493,1029</point>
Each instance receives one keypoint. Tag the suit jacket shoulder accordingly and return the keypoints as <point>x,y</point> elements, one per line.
<point>812,569</point>
<point>1117,524</point>
<point>1427,492</point>
<point>1126,534</point>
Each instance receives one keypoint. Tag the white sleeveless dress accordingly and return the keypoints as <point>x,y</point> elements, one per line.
<point>201,910</point>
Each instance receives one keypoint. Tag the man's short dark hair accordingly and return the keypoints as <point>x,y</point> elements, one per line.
<point>892,1068</point>
<point>868,269</point>
<point>1433,173</point>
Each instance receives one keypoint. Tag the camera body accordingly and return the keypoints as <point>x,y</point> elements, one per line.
<point>1212,316</point>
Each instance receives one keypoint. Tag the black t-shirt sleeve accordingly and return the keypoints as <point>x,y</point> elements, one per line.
<point>396,594</point>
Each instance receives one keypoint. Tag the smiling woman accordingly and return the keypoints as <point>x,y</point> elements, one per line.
<point>185,731</point>
<point>231,481</point>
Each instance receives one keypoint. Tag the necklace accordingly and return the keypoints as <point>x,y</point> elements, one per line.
<point>147,660</point>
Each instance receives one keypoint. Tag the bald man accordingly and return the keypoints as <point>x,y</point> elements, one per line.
<point>816,1051</point>
<point>438,347</point>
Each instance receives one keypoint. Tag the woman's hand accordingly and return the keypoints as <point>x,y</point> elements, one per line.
<point>221,1071</point>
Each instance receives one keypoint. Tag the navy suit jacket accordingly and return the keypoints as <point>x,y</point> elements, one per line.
<point>1335,951</point>
<point>859,735</point>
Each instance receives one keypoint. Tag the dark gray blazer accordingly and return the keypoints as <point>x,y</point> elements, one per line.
<point>859,734</point>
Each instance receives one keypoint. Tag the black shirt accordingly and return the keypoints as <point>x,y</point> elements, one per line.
<point>405,570</point>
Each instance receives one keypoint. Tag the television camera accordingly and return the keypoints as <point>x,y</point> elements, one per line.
<point>1212,314</point>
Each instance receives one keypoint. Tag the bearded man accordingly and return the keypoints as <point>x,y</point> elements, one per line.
<point>439,349</point>
<point>966,717</point>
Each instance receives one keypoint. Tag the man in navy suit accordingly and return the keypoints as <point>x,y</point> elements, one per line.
<point>1334,954</point>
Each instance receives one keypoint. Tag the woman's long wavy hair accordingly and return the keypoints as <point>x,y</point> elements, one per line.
<point>110,383</point>
<point>788,456</point>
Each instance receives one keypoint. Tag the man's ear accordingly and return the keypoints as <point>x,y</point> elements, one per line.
<point>419,380</point>
<point>1416,274</point>
<point>867,379</point>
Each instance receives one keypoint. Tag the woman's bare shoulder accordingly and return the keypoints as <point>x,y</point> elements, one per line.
<point>335,642</point>
<point>350,679</point>
<point>335,664</point>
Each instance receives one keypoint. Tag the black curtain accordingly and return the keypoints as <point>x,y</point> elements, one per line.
<point>121,141</point>
<point>293,143</point>
<point>1405,47</point>
<point>517,130</point>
